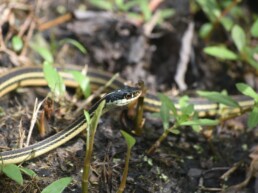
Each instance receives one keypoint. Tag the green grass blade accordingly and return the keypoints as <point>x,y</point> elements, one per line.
<point>75,44</point>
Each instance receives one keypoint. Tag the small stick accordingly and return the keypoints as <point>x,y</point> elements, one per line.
<point>55,22</point>
<point>34,119</point>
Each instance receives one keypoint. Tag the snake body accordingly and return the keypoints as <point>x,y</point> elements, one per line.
<point>121,96</point>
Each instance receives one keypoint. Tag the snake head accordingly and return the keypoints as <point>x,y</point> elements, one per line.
<point>122,97</point>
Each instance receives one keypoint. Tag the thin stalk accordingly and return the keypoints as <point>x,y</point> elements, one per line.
<point>93,123</point>
<point>161,139</point>
<point>125,172</point>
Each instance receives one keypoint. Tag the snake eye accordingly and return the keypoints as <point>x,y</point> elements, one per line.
<point>128,96</point>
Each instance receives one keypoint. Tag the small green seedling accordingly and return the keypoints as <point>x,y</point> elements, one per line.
<point>227,14</point>
<point>125,7</point>
<point>54,80</point>
<point>91,130</point>
<point>44,53</point>
<point>184,115</point>
<point>130,141</point>
<point>57,186</point>
<point>14,172</point>
<point>75,43</point>
<point>17,43</point>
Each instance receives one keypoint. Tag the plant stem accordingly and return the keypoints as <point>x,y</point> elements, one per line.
<point>161,138</point>
<point>125,173</point>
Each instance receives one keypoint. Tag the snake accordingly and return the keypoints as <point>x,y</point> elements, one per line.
<point>118,96</point>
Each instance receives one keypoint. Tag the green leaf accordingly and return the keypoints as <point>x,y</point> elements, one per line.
<point>247,90</point>
<point>210,8</point>
<point>13,172</point>
<point>93,122</point>
<point>128,5</point>
<point>252,120</point>
<point>28,172</point>
<point>248,54</point>
<point>253,63</point>
<point>121,5</point>
<point>219,98</point>
<point>166,106</point>
<point>187,109</point>
<point>254,29</point>
<point>168,102</point>
<point>164,14</point>
<point>175,131</point>
<point>57,186</point>
<point>201,122</point>
<point>227,23</point>
<point>205,30</point>
<point>239,37</point>
<point>87,116</point>
<point>129,139</point>
<point>220,52</point>
<point>43,52</point>
<point>184,101</point>
<point>83,81</point>
<point>17,43</point>
<point>106,5</point>
<point>98,113</point>
<point>164,114</point>
<point>74,43</point>
<point>197,128</point>
<point>41,46</point>
<point>144,6</point>
<point>54,80</point>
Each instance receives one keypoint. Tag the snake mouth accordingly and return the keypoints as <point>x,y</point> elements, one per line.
<point>123,97</point>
